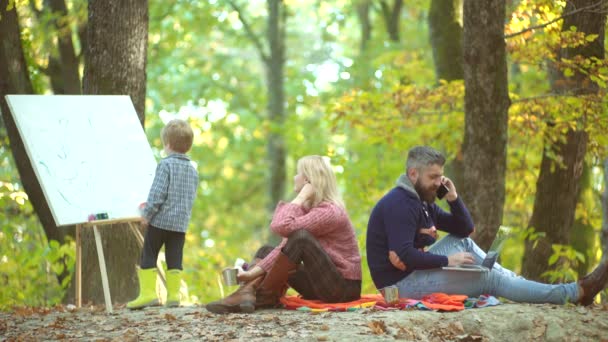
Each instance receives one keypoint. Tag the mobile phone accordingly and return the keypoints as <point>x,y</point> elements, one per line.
<point>442,191</point>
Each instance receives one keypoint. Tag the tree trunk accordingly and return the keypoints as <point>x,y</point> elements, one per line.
<point>276,148</point>
<point>604,234</point>
<point>486,105</point>
<point>115,63</point>
<point>115,57</point>
<point>364,23</point>
<point>445,29</point>
<point>391,18</point>
<point>558,188</point>
<point>14,79</point>
<point>68,62</point>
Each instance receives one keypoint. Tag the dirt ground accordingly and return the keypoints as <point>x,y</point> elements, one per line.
<point>507,322</point>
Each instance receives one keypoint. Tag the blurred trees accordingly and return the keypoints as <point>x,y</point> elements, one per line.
<point>558,188</point>
<point>351,91</point>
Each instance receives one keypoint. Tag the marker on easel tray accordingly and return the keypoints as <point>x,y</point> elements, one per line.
<point>98,216</point>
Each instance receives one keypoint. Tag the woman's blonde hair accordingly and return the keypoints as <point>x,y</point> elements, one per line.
<point>322,178</point>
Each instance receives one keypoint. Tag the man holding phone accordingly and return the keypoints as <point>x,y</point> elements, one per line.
<point>407,215</point>
<point>402,218</point>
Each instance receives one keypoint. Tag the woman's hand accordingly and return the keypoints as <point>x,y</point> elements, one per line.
<point>396,261</point>
<point>305,196</point>
<point>247,276</point>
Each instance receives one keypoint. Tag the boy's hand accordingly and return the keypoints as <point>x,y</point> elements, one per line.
<point>144,222</point>
<point>396,261</point>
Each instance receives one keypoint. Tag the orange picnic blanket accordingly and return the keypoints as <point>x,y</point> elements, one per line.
<point>434,301</point>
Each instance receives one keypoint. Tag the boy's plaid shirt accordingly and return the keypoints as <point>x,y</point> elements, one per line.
<point>171,197</point>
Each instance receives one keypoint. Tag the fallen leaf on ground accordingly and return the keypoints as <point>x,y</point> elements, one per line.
<point>378,327</point>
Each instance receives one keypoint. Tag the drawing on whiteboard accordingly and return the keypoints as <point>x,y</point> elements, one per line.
<point>89,153</point>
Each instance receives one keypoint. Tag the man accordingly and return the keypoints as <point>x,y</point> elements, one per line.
<point>402,218</point>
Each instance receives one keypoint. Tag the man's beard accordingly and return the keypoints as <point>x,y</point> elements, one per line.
<point>426,195</point>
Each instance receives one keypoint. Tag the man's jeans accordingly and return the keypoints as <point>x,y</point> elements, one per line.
<point>498,282</point>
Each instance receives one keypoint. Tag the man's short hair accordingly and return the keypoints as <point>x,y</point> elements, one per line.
<point>178,134</point>
<point>422,156</point>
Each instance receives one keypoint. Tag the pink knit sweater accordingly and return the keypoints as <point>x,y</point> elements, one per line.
<point>329,224</point>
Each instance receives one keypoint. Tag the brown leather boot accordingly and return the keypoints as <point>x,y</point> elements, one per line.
<point>593,283</point>
<point>242,300</point>
<point>274,285</point>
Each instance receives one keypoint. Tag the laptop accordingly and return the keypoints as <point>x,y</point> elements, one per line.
<point>490,259</point>
<point>486,264</point>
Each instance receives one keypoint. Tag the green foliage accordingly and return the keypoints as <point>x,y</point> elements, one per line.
<point>363,109</point>
<point>568,259</point>
<point>28,264</point>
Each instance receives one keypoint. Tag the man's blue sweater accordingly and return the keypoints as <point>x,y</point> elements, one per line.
<point>394,224</point>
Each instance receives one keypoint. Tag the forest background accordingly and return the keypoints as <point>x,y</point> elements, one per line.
<point>513,92</point>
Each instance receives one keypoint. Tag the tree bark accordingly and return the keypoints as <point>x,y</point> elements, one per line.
<point>68,62</point>
<point>445,30</point>
<point>486,105</point>
<point>364,23</point>
<point>391,18</point>
<point>558,188</point>
<point>115,63</point>
<point>115,57</point>
<point>274,64</point>
<point>14,79</point>
<point>604,234</point>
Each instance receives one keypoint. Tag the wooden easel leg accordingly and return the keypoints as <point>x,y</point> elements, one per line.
<point>102,269</point>
<point>78,268</point>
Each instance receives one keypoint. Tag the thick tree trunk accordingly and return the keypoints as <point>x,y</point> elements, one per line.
<point>558,188</point>
<point>391,18</point>
<point>276,148</point>
<point>364,23</point>
<point>115,63</point>
<point>68,62</point>
<point>14,79</point>
<point>445,28</point>
<point>604,234</point>
<point>115,58</point>
<point>486,105</point>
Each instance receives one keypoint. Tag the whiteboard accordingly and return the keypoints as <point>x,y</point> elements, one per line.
<point>89,152</point>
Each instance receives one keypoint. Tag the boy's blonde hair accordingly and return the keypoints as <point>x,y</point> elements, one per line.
<point>178,135</point>
<point>322,178</point>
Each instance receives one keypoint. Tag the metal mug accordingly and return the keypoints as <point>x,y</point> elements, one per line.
<point>391,294</point>
<point>229,275</point>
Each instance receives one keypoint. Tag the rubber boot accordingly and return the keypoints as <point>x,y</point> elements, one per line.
<point>242,300</point>
<point>147,290</point>
<point>174,280</point>
<point>274,285</point>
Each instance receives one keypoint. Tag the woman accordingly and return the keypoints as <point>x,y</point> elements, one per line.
<point>318,256</point>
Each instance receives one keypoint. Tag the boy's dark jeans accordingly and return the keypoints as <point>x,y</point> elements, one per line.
<point>174,247</point>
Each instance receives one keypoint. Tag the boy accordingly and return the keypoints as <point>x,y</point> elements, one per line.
<point>166,215</point>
